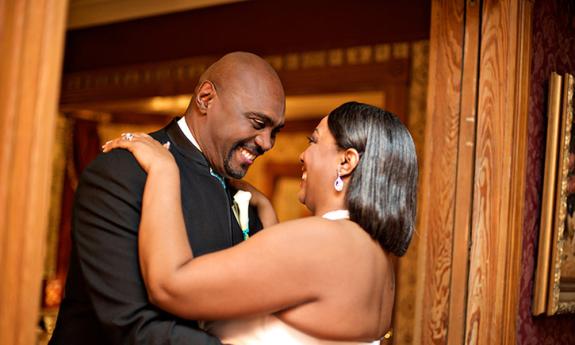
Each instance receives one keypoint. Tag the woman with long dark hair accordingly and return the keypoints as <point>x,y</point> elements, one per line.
<point>319,280</point>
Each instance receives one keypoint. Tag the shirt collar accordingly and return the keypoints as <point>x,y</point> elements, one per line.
<point>186,130</point>
<point>188,134</point>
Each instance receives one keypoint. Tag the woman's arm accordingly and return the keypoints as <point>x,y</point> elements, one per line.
<point>274,270</point>
<point>162,239</point>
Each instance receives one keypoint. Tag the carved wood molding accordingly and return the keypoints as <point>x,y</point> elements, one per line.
<point>519,107</point>
<point>384,63</point>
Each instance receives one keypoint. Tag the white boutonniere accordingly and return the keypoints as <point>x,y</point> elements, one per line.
<point>242,200</point>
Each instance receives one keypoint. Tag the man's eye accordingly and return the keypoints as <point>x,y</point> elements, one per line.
<point>258,124</point>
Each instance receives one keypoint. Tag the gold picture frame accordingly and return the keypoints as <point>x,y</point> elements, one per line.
<point>554,289</point>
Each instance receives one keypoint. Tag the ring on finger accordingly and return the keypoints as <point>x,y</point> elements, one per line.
<point>128,136</point>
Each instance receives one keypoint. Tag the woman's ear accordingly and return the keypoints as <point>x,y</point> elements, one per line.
<point>350,160</point>
<point>205,95</point>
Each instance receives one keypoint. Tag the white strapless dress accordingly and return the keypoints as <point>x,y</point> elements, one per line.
<point>267,330</point>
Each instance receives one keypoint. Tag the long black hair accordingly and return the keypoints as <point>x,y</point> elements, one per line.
<point>381,196</point>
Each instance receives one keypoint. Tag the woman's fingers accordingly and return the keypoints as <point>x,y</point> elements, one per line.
<point>120,142</point>
<point>147,151</point>
<point>129,141</point>
<point>114,144</point>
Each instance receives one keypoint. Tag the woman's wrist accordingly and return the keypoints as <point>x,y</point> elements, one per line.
<point>164,169</point>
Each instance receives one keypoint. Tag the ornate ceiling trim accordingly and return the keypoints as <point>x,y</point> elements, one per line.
<point>180,76</point>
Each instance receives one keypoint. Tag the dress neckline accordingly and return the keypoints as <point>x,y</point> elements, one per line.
<point>336,215</point>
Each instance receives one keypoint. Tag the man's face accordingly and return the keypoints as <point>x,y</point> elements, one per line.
<point>243,123</point>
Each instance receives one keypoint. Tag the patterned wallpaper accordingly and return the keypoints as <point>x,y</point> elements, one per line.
<point>553,47</point>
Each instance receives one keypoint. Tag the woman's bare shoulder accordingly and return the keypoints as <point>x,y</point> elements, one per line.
<point>314,233</point>
<point>307,227</point>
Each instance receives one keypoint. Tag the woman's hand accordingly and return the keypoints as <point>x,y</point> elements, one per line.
<point>149,153</point>
<point>258,200</point>
<point>257,196</point>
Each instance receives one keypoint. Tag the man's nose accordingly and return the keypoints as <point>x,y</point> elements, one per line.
<point>265,141</point>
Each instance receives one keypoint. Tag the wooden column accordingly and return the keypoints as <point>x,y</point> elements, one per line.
<point>439,175</point>
<point>31,42</point>
<point>499,186</point>
<point>473,175</point>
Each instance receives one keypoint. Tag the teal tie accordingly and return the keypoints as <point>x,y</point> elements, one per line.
<point>218,177</point>
<point>235,208</point>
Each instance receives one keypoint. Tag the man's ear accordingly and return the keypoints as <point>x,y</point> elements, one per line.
<point>350,160</point>
<point>205,95</point>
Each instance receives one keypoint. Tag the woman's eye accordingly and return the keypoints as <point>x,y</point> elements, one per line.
<point>310,140</point>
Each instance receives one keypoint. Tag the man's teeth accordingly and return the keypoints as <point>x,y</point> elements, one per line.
<point>247,154</point>
<point>303,175</point>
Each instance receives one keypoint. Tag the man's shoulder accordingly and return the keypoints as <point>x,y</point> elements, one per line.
<point>118,166</point>
<point>114,171</point>
<point>115,161</point>
<point>119,161</point>
<point>161,134</point>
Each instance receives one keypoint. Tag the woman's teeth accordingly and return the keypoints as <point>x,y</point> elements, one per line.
<point>304,175</point>
<point>248,155</point>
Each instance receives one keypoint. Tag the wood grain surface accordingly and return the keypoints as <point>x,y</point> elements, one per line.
<point>31,42</point>
<point>439,172</point>
<point>498,187</point>
<point>474,172</point>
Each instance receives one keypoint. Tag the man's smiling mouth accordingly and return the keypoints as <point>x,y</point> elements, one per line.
<point>247,154</point>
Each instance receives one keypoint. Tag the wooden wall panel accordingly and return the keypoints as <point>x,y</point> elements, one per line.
<point>472,205</point>
<point>499,185</point>
<point>31,41</point>
<point>465,175</point>
<point>439,172</point>
<point>518,106</point>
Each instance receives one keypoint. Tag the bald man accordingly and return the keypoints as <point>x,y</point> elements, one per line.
<point>234,115</point>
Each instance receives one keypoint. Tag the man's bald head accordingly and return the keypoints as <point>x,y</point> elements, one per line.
<point>240,67</point>
<point>237,109</point>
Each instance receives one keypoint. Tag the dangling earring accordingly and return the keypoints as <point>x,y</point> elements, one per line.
<point>338,183</point>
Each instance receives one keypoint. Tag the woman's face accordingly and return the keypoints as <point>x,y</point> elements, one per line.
<point>319,171</point>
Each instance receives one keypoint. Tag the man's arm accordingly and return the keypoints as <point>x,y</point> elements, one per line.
<point>105,223</point>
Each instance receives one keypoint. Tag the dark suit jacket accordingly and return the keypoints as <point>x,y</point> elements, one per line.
<point>105,299</point>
